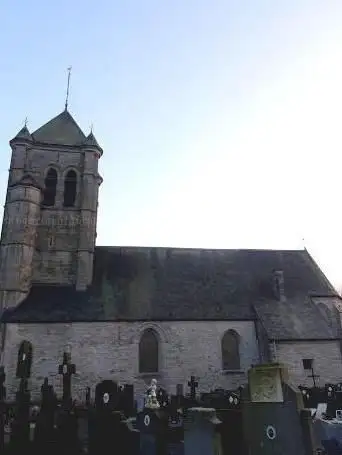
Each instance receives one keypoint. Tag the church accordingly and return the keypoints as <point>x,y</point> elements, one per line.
<point>135,313</point>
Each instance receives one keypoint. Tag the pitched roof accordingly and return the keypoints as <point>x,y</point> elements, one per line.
<point>91,141</point>
<point>23,134</point>
<point>61,130</point>
<point>295,319</point>
<point>186,284</point>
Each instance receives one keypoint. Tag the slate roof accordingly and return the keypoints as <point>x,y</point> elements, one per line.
<point>189,284</point>
<point>295,319</point>
<point>91,140</point>
<point>61,130</point>
<point>22,134</point>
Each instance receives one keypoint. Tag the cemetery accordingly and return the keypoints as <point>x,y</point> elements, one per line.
<point>266,416</point>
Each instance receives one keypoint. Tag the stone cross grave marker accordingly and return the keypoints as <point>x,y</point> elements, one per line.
<point>193,384</point>
<point>66,369</point>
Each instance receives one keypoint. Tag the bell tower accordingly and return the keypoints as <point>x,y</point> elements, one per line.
<point>67,163</point>
<point>49,228</point>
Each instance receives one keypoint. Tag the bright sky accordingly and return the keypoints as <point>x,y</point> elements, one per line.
<point>220,120</point>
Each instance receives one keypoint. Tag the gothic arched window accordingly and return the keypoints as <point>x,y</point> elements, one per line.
<point>230,351</point>
<point>24,362</point>
<point>70,188</point>
<point>50,188</point>
<point>148,352</point>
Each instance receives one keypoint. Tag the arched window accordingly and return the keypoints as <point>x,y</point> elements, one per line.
<point>230,351</point>
<point>70,187</point>
<point>50,188</point>
<point>24,362</point>
<point>148,352</point>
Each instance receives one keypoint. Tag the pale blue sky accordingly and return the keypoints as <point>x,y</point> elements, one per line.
<point>220,119</point>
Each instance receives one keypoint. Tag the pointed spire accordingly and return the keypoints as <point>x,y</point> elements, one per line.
<point>92,142</point>
<point>67,91</point>
<point>23,134</point>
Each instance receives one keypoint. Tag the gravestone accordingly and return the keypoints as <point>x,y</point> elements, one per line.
<point>128,400</point>
<point>44,434</point>
<point>228,410</point>
<point>67,424</point>
<point>175,433</point>
<point>200,432</point>
<point>88,397</point>
<point>193,385</point>
<point>180,395</point>
<point>66,370</point>
<point>272,423</point>
<point>20,431</point>
<point>2,408</point>
<point>152,424</point>
<point>108,429</point>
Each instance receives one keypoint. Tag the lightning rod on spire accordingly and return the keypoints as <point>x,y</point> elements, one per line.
<point>68,86</point>
<point>25,122</point>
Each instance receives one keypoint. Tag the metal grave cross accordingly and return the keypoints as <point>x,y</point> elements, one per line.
<point>66,369</point>
<point>193,384</point>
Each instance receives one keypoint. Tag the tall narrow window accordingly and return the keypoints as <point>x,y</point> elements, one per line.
<point>24,362</point>
<point>148,352</point>
<point>230,351</point>
<point>50,188</point>
<point>70,187</point>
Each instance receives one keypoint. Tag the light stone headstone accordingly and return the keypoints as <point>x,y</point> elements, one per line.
<point>265,383</point>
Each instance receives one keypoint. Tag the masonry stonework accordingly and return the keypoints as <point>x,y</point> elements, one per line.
<point>50,271</point>
<point>325,354</point>
<point>110,351</point>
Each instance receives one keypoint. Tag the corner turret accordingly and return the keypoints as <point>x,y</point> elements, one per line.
<point>18,240</point>
<point>23,136</point>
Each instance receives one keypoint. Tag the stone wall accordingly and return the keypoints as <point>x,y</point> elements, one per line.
<point>110,351</point>
<point>326,355</point>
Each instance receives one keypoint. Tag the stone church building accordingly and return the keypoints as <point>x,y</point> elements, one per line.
<point>134,313</point>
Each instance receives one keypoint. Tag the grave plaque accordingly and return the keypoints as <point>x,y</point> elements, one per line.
<point>265,383</point>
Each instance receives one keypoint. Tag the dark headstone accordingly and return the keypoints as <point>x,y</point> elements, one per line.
<point>274,427</point>
<point>44,434</point>
<point>107,395</point>
<point>107,425</point>
<point>200,436</point>
<point>88,397</point>
<point>20,432</point>
<point>24,360</point>
<point>128,400</point>
<point>175,433</point>
<point>66,370</point>
<point>152,425</point>
<point>68,442</point>
<point>193,384</point>
<point>2,408</point>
